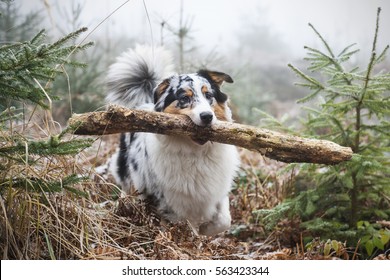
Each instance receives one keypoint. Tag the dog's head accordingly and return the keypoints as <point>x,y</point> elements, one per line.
<point>196,95</point>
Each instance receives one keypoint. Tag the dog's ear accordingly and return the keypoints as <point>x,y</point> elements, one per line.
<point>160,89</point>
<point>216,77</point>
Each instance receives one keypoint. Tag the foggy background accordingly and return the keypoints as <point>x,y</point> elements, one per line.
<point>253,41</point>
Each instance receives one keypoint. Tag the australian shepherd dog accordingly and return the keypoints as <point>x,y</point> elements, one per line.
<point>185,179</point>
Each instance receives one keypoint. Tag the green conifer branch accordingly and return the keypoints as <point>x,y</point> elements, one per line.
<point>38,38</point>
<point>382,55</point>
<point>331,59</point>
<point>371,63</point>
<point>40,185</point>
<point>23,65</point>
<point>343,52</point>
<point>323,40</point>
<point>46,148</point>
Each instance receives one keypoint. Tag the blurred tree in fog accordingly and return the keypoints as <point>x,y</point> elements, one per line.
<point>15,27</point>
<point>83,89</point>
<point>80,88</point>
<point>183,47</point>
<point>262,80</point>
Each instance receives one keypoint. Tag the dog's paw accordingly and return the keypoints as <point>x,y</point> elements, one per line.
<point>214,227</point>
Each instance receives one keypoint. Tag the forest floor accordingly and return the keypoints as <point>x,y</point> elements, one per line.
<point>135,232</point>
<point>104,223</point>
<point>145,236</point>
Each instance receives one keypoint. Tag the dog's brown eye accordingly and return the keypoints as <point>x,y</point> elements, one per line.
<point>208,95</point>
<point>184,100</point>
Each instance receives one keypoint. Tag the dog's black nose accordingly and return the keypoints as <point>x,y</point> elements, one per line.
<point>206,117</point>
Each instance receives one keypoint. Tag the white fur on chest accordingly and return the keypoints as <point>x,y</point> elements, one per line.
<point>192,178</point>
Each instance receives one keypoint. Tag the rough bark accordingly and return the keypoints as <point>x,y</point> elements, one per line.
<point>269,143</point>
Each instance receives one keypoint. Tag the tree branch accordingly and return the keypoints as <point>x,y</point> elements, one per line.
<point>272,144</point>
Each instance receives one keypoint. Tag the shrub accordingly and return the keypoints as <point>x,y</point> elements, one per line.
<point>36,159</point>
<point>345,201</point>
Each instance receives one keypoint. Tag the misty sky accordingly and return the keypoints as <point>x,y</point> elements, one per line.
<point>216,23</point>
<point>252,39</point>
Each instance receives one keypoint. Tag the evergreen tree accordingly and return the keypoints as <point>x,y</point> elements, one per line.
<point>345,201</point>
<point>13,26</point>
<point>26,72</point>
<point>80,89</point>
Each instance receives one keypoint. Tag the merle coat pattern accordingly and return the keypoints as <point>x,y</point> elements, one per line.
<point>186,179</point>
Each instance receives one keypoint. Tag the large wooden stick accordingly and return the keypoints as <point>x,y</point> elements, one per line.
<point>272,144</point>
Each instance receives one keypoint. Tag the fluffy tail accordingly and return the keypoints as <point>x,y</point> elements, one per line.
<point>132,78</point>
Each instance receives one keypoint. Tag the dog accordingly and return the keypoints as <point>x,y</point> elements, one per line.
<point>184,178</point>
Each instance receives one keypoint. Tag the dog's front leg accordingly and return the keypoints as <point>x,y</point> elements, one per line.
<point>221,219</point>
